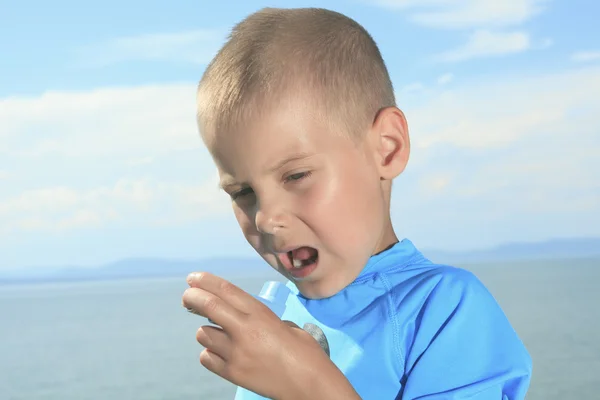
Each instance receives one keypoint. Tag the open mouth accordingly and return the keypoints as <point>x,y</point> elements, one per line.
<point>300,262</point>
<point>303,256</point>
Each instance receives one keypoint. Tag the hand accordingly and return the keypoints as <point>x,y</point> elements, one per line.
<point>254,349</point>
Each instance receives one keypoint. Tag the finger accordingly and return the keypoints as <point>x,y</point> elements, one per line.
<point>212,307</point>
<point>214,339</point>
<point>224,289</point>
<point>213,362</point>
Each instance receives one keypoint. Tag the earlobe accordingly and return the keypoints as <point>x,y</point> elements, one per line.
<point>393,144</point>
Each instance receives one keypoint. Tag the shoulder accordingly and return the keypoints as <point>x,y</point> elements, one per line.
<point>444,316</point>
<point>430,296</point>
<point>423,280</point>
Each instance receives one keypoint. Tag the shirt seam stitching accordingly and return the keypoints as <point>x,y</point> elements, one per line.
<point>394,321</point>
<point>397,268</point>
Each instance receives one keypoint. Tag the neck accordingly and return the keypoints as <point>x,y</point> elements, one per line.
<point>388,239</point>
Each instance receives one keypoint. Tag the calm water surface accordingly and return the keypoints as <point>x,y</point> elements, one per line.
<point>131,339</point>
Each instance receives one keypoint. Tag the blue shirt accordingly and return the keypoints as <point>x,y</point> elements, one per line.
<point>407,328</point>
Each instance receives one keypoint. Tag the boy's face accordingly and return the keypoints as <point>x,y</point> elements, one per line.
<point>310,201</point>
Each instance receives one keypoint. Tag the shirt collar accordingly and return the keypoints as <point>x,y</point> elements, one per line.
<point>397,256</point>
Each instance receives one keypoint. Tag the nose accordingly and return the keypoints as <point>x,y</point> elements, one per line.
<point>270,218</point>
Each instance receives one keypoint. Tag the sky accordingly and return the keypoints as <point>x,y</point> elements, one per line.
<point>100,158</point>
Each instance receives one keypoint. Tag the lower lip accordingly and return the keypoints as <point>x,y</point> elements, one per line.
<point>303,272</point>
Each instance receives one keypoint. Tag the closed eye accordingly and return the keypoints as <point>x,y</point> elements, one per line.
<point>242,192</point>
<point>297,176</point>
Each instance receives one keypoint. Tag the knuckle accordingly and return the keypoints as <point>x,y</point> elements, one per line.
<point>256,335</point>
<point>227,288</point>
<point>211,303</point>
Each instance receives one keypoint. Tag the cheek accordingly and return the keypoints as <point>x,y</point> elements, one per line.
<point>346,206</point>
<point>246,223</point>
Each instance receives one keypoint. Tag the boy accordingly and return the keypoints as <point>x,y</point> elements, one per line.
<point>298,112</point>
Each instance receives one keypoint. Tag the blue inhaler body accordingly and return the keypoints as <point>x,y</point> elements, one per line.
<point>274,295</point>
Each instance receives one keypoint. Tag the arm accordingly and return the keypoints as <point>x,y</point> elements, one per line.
<point>462,345</point>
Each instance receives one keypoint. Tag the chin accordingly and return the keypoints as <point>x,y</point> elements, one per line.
<point>320,288</point>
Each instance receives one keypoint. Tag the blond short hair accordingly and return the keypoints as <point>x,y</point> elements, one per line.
<point>275,54</point>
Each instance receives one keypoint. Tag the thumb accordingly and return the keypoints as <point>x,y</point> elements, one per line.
<point>318,334</point>
<point>315,332</point>
<point>291,324</point>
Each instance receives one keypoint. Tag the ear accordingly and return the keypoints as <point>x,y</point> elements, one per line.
<point>391,143</point>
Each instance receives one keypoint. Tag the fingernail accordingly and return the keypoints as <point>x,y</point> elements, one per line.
<point>191,277</point>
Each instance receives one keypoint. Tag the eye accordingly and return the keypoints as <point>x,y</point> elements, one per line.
<point>297,176</point>
<point>242,192</point>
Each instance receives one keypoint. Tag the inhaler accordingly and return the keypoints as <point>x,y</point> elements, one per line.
<point>274,295</point>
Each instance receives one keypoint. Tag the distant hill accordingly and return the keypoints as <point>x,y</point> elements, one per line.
<point>137,268</point>
<point>551,249</point>
<point>153,267</point>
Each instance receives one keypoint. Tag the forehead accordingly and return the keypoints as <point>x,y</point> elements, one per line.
<point>259,145</point>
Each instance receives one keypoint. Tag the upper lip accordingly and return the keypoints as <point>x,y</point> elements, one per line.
<point>287,249</point>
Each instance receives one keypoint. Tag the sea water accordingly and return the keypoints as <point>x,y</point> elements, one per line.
<point>132,339</point>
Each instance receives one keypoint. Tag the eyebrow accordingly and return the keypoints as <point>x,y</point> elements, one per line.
<point>229,182</point>
<point>293,157</point>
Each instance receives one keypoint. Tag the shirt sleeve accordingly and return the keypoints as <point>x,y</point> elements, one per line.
<point>460,344</point>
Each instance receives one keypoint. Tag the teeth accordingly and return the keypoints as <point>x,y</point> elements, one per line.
<point>297,263</point>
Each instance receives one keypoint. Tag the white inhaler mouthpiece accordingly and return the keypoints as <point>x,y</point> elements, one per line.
<point>274,295</point>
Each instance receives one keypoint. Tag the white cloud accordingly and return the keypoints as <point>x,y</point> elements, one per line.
<point>586,56</point>
<point>445,78</point>
<point>4,175</point>
<point>520,150</point>
<point>498,113</point>
<point>197,47</point>
<point>79,219</point>
<point>516,155</point>
<point>110,156</point>
<point>464,14</point>
<point>142,203</point>
<point>140,161</point>
<point>486,19</point>
<point>138,122</point>
<point>483,43</point>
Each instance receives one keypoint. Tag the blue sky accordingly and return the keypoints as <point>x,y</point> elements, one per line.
<point>100,158</point>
